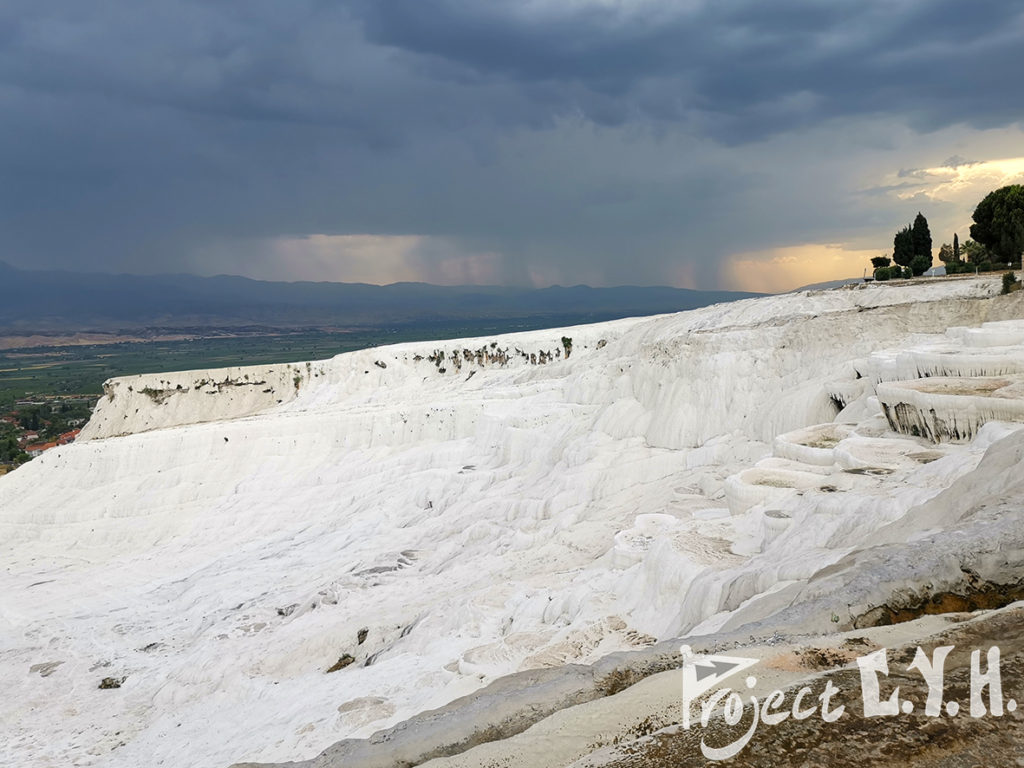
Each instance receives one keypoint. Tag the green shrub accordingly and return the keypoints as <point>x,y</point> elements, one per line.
<point>920,264</point>
<point>895,272</point>
<point>1009,282</point>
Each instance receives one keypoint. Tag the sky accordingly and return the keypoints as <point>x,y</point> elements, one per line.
<point>696,143</point>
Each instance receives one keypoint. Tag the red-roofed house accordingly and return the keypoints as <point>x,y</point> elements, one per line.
<point>37,448</point>
<point>68,437</point>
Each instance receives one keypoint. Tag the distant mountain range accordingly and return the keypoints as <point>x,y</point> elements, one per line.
<point>36,300</point>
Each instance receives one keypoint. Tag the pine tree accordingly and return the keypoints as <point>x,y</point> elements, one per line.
<point>999,223</point>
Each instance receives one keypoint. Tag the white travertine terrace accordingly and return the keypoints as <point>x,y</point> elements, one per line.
<point>993,349</point>
<point>481,513</point>
<point>812,445</point>
<point>945,408</point>
<point>1000,333</point>
<point>861,453</point>
<point>766,486</point>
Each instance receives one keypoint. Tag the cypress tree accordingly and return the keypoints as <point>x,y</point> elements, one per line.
<point>956,247</point>
<point>922,238</point>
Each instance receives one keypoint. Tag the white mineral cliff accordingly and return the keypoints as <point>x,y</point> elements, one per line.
<point>432,517</point>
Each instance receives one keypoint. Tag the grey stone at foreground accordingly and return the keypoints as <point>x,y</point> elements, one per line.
<point>504,708</point>
<point>910,739</point>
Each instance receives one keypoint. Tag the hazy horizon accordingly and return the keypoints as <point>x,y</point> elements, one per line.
<point>200,274</point>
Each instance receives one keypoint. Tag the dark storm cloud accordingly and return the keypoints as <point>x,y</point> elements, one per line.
<point>589,139</point>
<point>743,69</point>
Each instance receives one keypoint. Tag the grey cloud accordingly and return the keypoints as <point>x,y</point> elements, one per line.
<point>591,142</point>
<point>956,161</point>
<point>745,69</point>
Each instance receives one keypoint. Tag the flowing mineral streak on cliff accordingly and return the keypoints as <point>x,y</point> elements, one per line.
<point>431,517</point>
